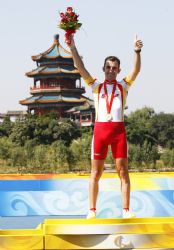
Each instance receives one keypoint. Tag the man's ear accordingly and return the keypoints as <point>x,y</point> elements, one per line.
<point>103,69</point>
<point>119,70</point>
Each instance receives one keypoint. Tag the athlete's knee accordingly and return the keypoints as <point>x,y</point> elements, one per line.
<point>123,173</point>
<point>96,174</point>
<point>97,169</point>
<point>122,169</point>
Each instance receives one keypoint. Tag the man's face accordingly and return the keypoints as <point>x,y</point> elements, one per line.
<point>111,70</point>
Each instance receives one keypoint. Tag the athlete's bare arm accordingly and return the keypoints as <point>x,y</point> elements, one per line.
<point>138,44</point>
<point>78,62</point>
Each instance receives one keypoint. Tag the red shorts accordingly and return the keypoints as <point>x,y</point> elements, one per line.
<point>109,133</point>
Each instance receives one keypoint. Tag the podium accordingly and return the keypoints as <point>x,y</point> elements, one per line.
<point>45,196</point>
<point>22,239</point>
<point>137,233</point>
<point>61,234</point>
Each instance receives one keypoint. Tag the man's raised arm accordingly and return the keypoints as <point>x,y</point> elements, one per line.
<point>138,44</point>
<point>79,63</point>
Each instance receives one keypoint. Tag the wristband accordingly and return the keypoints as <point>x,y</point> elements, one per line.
<point>90,80</point>
<point>137,50</point>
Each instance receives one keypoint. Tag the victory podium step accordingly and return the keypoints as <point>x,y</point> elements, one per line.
<point>57,234</point>
<point>137,233</point>
<point>22,239</point>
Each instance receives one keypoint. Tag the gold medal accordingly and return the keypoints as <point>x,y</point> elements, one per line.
<point>109,117</point>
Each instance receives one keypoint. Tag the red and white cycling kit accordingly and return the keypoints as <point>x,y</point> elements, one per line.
<point>109,128</point>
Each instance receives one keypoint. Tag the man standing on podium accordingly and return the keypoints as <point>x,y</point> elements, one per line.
<point>109,98</point>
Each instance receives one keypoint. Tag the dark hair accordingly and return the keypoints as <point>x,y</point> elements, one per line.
<point>113,59</point>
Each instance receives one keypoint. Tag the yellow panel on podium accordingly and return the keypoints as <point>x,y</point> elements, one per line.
<point>139,233</point>
<point>21,239</point>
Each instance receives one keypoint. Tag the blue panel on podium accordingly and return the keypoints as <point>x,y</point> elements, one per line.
<point>20,185</point>
<point>152,203</point>
<point>150,197</point>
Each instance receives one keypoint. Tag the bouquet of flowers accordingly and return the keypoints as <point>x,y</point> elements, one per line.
<point>69,22</point>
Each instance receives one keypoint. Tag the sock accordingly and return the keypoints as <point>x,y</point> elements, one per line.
<point>93,209</point>
<point>126,209</point>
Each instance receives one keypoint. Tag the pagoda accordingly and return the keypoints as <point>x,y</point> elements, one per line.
<point>57,86</point>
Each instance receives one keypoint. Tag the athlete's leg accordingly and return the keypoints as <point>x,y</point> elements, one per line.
<point>96,172</point>
<point>122,169</point>
<point>98,155</point>
<point>120,153</point>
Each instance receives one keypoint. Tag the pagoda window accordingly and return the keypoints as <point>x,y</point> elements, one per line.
<point>31,111</point>
<point>37,84</point>
<point>77,117</point>
<point>78,83</point>
<point>86,117</point>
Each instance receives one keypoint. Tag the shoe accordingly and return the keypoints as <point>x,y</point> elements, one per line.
<point>127,214</point>
<point>91,215</point>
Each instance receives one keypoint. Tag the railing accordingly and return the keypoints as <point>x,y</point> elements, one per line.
<point>53,87</point>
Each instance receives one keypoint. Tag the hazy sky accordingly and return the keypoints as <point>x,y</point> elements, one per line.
<point>27,28</point>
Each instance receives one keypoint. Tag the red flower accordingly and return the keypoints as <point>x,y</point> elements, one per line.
<point>64,20</point>
<point>72,14</point>
<point>69,9</point>
<point>76,17</point>
<point>62,15</point>
<point>69,22</point>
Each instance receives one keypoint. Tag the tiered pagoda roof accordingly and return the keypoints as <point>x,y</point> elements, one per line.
<point>57,83</point>
<point>46,70</point>
<point>55,51</point>
<point>54,61</point>
<point>53,99</point>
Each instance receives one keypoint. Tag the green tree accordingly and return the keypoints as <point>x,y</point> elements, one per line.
<point>44,130</point>
<point>62,157</point>
<point>29,148</point>
<point>149,154</point>
<point>6,127</point>
<point>22,130</point>
<point>18,158</point>
<point>81,149</point>
<point>135,156</point>
<point>5,148</point>
<point>162,129</point>
<point>138,126</point>
<point>49,129</point>
<point>168,158</point>
<point>67,131</point>
<point>143,156</point>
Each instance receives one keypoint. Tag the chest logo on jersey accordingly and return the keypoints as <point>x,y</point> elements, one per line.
<point>103,95</point>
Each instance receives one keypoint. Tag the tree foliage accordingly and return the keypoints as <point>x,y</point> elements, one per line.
<point>168,157</point>
<point>162,129</point>
<point>6,127</point>
<point>81,150</point>
<point>138,126</point>
<point>46,144</point>
<point>43,130</point>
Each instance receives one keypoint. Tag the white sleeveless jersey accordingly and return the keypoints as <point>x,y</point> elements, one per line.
<point>119,101</point>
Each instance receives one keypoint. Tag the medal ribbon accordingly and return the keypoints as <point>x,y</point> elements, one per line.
<point>109,105</point>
